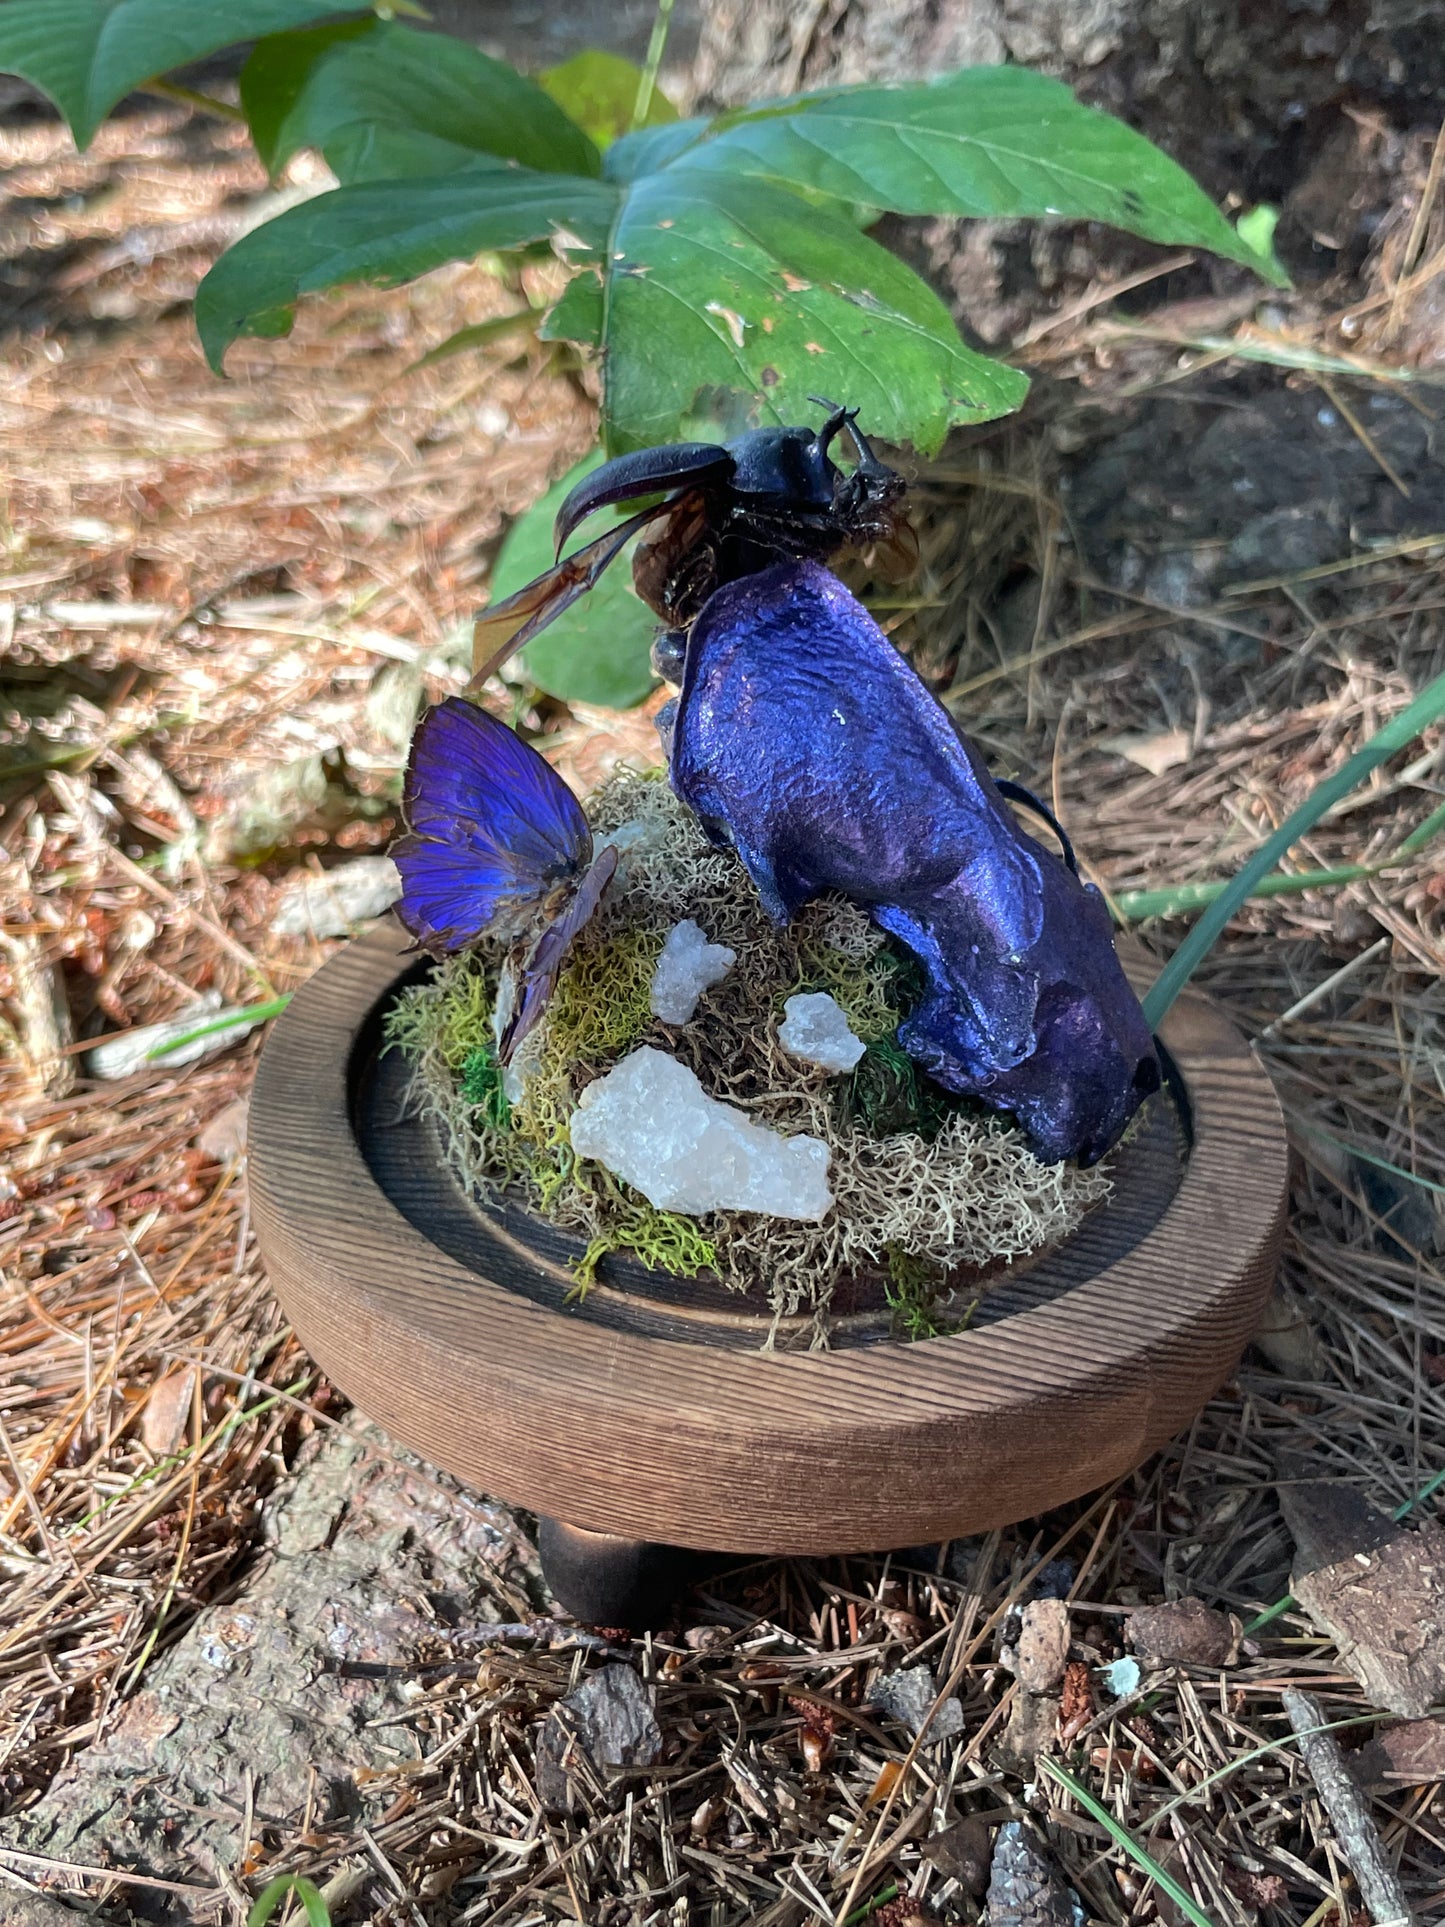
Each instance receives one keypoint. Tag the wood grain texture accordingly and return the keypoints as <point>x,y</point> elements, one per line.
<point>664,1434</point>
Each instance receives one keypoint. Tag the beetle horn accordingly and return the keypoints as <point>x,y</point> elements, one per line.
<point>839,418</point>
<point>647,471</point>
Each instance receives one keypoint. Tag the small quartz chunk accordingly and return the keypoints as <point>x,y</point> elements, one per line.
<point>815,1029</point>
<point>651,1123</point>
<point>688,966</point>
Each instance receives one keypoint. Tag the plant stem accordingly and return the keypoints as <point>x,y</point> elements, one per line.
<point>646,86</point>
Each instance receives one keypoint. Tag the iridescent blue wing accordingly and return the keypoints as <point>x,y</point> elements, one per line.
<point>539,974</point>
<point>494,829</point>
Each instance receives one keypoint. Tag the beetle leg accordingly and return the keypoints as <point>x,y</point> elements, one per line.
<point>1016,793</point>
<point>669,652</point>
<point>504,627</point>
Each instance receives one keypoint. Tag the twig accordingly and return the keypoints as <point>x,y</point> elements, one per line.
<point>1358,1836</point>
<point>1332,982</point>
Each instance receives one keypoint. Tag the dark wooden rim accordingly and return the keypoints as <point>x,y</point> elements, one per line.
<point>666,1439</point>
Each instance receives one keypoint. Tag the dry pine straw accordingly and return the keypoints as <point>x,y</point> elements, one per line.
<point>354,498</point>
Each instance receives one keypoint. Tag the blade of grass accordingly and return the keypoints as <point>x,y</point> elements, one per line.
<point>1176,899</point>
<point>481,334</point>
<point>252,1014</point>
<point>1371,1157</point>
<point>871,1907</point>
<point>1252,344</point>
<point>1427,708</point>
<point>271,1896</point>
<point>1179,899</point>
<point>1120,1834</point>
<point>1191,1794</point>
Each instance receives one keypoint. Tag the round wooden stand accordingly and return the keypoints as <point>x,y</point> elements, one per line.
<point>650,1418</point>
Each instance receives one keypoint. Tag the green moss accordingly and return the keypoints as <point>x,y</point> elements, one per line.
<point>912,1291</point>
<point>602,1001</point>
<point>481,1082</point>
<point>464,1021</point>
<point>886,1093</point>
<point>862,990</point>
<point>660,1239</point>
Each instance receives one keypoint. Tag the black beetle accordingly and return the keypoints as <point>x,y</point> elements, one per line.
<point>774,494</point>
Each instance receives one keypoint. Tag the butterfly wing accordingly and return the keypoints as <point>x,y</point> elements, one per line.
<point>539,975</point>
<point>494,829</point>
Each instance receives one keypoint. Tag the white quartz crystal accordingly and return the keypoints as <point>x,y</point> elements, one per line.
<point>815,1029</point>
<point>632,835</point>
<point>688,966</point>
<point>652,1123</point>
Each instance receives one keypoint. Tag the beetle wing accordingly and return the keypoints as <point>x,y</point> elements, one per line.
<point>649,471</point>
<point>505,627</point>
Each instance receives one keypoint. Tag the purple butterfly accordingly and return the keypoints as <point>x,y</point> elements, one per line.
<point>498,845</point>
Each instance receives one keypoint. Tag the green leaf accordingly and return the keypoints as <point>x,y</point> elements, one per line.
<point>385,232</point>
<point>89,54</point>
<point>275,74</point>
<point>1256,230</point>
<point>991,141</point>
<point>650,149</point>
<point>599,650</point>
<point>578,315</point>
<point>733,282</point>
<point>269,1900</point>
<point>598,90</point>
<point>1427,709</point>
<point>735,287</point>
<point>395,103</point>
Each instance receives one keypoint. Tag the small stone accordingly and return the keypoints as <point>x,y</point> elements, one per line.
<point>1184,1631</point>
<point>333,904</point>
<point>1043,1645</point>
<point>627,837</point>
<point>651,1123</point>
<point>1122,1676</point>
<point>688,966</point>
<point>961,1853</point>
<point>609,1721</point>
<point>815,1029</point>
<point>907,1695</point>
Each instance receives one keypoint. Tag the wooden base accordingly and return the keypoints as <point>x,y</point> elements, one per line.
<point>653,1413</point>
<point>614,1582</point>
